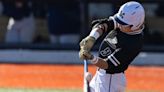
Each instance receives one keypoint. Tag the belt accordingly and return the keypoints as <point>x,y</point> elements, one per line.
<point>105,72</point>
<point>102,70</point>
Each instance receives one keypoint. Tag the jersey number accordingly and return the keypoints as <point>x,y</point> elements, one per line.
<point>105,52</point>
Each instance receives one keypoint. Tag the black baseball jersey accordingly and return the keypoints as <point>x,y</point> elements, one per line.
<point>119,48</point>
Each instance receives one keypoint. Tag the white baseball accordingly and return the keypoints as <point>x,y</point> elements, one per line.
<point>88,76</point>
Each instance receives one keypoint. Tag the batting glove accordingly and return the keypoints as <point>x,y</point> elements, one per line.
<point>87,43</point>
<point>85,55</point>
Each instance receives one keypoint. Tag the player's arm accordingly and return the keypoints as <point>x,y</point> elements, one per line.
<point>98,28</point>
<point>99,62</point>
<point>101,26</point>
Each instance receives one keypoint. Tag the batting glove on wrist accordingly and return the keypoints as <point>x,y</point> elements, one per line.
<point>84,54</point>
<point>87,43</point>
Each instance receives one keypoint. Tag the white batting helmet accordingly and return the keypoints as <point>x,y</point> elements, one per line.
<point>131,13</point>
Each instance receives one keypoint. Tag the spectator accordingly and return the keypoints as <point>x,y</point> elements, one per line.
<point>1,8</point>
<point>21,25</point>
<point>159,9</point>
<point>63,21</point>
<point>39,9</point>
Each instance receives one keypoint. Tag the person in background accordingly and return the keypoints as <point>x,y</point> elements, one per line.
<point>1,8</point>
<point>63,21</point>
<point>21,25</point>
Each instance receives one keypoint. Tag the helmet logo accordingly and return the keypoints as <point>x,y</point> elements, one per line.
<point>133,13</point>
<point>122,14</point>
<point>137,7</point>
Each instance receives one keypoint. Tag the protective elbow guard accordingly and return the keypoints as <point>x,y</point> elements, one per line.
<point>96,23</point>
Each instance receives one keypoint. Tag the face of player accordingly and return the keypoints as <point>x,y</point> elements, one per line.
<point>125,28</point>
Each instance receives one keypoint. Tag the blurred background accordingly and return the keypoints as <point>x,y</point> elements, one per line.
<point>47,25</point>
<point>49,31</point>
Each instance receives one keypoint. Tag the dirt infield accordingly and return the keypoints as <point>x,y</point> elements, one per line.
<point>71,76</point>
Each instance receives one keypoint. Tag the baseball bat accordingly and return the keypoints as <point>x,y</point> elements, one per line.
<point>86,82</point>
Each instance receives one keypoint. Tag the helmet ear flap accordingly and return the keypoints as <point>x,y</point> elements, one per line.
<point>119,21</point>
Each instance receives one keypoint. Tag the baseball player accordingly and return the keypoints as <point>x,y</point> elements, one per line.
<point>120,46</point>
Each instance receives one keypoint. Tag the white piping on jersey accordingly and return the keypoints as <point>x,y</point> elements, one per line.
<point>110,58</point>
<point>113,59</point>
<point>114,22</point>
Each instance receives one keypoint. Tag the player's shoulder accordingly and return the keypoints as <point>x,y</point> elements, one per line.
<point>130,41</point>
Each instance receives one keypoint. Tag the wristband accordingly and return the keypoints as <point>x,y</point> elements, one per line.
<point>94,60</point>
<point>94,33</point>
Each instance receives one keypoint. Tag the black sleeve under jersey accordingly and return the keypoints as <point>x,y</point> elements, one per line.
<point>111,25</point>
<point>108,21</point>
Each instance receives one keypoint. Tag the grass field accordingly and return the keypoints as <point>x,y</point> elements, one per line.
<point>56,90</point>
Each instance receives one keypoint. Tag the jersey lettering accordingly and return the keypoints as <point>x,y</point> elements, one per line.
<point>105,52</point>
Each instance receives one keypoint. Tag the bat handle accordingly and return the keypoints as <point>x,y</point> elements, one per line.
<point>86,83</point>
<point>85,66</point>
